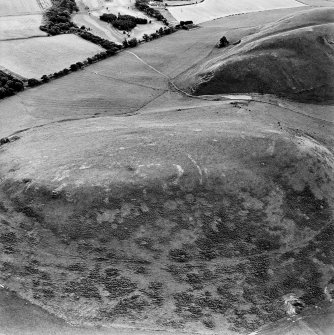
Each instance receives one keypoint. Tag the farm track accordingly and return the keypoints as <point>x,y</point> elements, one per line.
<point>214,97</point>
<point>168,78</point>
<point>127,81</point>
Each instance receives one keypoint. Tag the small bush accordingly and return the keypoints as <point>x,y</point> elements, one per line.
<point>133,43</point>
<point>223,42</point>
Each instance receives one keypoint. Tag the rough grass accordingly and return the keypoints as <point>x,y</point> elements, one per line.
<point>220,253</point>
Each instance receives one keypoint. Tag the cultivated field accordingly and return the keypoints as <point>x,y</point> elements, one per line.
<point>21,18</point>
<point>32,58</point>
<point>19,7</point>
<point>24,26</point>
<point>212,9</point>
<point>124,7</point>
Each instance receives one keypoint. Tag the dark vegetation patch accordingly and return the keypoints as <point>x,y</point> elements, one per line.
<point>298,274</point>
<point>190,306</point>
<point>323,245</point>
<point>233,230</point>
<point>9,85</point>
<point>8,238</point>
<point>155,292</point>
<point>145,8</point>
<point>43,293</point>
<point>123,22</point>
<point>58,17</point>
<point>129,306</point>
<point>85,288</point>
<point>209,322</point>
<point>305,209</point>
<point>258,281</point>
<point>119,287</point>
<point>76,267</point>
<point>111,272</point>
<point>179,255</point>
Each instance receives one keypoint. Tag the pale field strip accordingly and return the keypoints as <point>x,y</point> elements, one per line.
<point>213,9</point>
<point>34,57</point>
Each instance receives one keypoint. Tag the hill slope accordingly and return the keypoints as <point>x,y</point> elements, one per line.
<point>293,57</point>
<point>192,220</point>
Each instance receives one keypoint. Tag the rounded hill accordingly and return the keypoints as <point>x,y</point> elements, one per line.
<point>279,59</point>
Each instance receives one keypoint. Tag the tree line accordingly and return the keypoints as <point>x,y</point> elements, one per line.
<point>58,17</point>
<point>58,21</point>
<point>144,7</point>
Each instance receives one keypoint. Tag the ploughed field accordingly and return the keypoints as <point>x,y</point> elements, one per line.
<point>35,57</point>
<point>17,27</point>
<point>21,18</point>
<point>124,202</point>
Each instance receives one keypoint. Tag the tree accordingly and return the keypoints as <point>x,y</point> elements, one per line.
<point>74,67</point>
<point>32,82</point>
<point>146,38</point>
<point>79,65</point>
<point>133,42</point>
<point>18,85</point>
<point>223,42</point>
<point>108,17</point>
<point>125,44</point>
<point>45,78</point>
<point>153,36</point>
<point>2,92</point>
